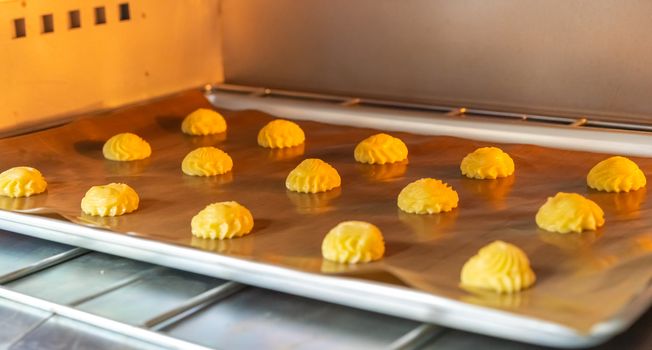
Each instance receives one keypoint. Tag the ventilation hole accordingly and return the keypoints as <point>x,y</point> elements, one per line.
<point>124,12</point>
<point>74,18</point>
<point>19,28</point>
<point>100,15</point>
<point>48,23</point>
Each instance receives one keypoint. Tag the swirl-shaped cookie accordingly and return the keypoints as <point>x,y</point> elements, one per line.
<point>206,161</point>
<point>281,133</point>
<point>352,242</point>
<point>313,176</point>
<point>569,212</point>
<point>222,220</point>
<point>21,181</point>
<point>500,267</point>
<point>110,200</point>
<point>616,174</point>
<point>380,149</point>
<point>427,196</point>
<point>487,163</point>
<point>203,121</point>
<point>126,147</point>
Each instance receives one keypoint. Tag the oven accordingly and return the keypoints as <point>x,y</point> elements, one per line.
<point>558,84</point>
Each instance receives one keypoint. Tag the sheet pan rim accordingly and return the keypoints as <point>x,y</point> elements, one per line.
<point>401,302</point>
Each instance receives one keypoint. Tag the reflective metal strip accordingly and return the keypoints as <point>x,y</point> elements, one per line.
<point>416,337</point>
<point>579,122</point>
<point>101,322</point>
<point>205,298</point>
<point>43,264</point>
<point>127,281</point>
<point>448,110</point>
<point>31,329</point>
<point>352,102</point>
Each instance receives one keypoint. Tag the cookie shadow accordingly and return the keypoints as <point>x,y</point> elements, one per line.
<point>89,148</point>
<point>169,123</point>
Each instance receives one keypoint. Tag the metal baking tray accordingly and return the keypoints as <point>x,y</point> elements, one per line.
<point>590,286</point>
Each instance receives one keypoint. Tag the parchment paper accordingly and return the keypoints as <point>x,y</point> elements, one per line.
<point>582,279</point>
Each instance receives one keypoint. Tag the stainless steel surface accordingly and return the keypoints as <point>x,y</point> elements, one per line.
<point>210,296</point>
<point>636,125</point>
<point>61,333</point>
<point>24,252</point>
<point>484,125</point>
<point>28,327</point>
<point>281,320</point>
<point>257,319</point>
<point>66,283</point>
<point>134,305</point>
<point>417,337</point>
<point>17,320</point>
<point>43,264</point>
<point>418,278</point>
<point>572,57</point>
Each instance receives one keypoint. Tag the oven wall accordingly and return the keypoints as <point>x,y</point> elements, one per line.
<point>165,46</point>
<point>556,56</point>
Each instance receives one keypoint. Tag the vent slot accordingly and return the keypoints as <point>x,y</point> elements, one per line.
<point>74,19</point>
<point>100,15</point>
<point>124,12</point>
<point>20,30</point>
<point>48,23</point>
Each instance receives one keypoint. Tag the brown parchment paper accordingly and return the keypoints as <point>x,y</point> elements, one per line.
<point>582,278</point>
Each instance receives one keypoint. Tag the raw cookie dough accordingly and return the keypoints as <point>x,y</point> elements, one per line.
<point>125,147</point>
<point>21,181</point>
<point>487,163</point>
<point>616,174</point>
<point>222,220</point>
<point>110,200</point>
<point>380,149</point>
<point>313,176</point>
<point>427,196</point>
<point>500,267</point>
<point>281,133</point>
<point>206,161</point>
<point>569,212</point>
<point>203,121</point>
<point>352,242</point>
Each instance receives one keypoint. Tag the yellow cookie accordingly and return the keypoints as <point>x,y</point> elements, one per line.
<point>487,163</point>
<point>569,212</point>
<point>500,267</point>
<point>203,122</point>
<point>616,174</point>
<point>380,149</point>
<point>427,196</point>
<point>21,181</point>
<point>281,133</point>
<point>222,220</point>
<point>313,176</point>
<point>110,200</point>
<point>352,242</point>
<point>206,161</point>
<point>126,146</point>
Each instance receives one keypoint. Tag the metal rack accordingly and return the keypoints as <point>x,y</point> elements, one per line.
<point>63,297</point>
<point>111,300</point>
<point>451,111</point>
